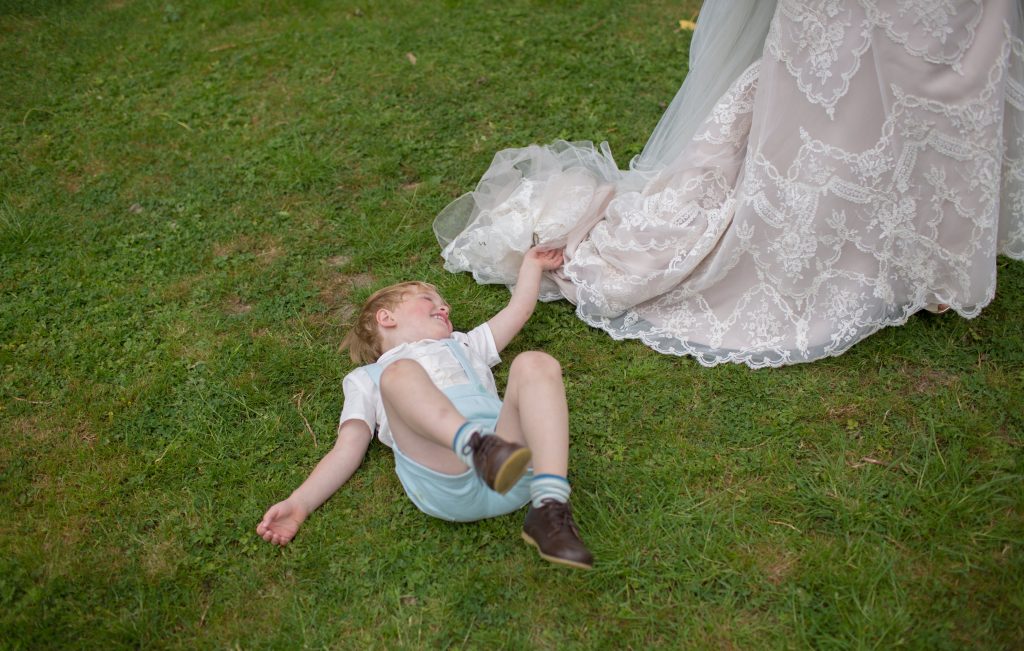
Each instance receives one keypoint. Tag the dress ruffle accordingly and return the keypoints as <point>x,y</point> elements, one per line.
<point>860,170</point>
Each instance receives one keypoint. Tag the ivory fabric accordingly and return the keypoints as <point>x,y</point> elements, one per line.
<point>869,163</point>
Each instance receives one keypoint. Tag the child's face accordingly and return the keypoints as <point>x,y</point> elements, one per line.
<point>423,314</point>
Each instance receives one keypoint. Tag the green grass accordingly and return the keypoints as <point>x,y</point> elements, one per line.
<point>193,197</point>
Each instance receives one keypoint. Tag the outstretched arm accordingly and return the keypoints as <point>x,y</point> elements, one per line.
<point>282,520</point>
<point>507,323</point>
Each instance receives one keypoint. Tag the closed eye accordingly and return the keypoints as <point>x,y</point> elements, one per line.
<point>434,301</point>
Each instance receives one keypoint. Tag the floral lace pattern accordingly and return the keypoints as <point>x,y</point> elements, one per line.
<point>939,31</point>
<point>821,200</point>
<point>821,44</point>
<point>1011,233</point>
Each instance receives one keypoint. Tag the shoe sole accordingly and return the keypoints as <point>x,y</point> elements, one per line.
<point>555,559</point>
<point>512,470</point>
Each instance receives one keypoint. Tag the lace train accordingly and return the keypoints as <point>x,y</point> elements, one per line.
<point>869,164</point>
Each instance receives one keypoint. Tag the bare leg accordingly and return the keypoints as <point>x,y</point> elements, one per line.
<point>422,419</point>
<point>535,382</point>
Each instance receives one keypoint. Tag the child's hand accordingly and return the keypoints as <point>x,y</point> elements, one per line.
<point>546,259</point>
<point>281,521</point>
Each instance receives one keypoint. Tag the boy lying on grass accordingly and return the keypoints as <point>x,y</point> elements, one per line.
<point>461,453</point>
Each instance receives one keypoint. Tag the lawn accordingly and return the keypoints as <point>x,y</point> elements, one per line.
<point>194,196</point>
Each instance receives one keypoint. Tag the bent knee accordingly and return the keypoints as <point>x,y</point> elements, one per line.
<point>536,362</point>
<point>398,370</point>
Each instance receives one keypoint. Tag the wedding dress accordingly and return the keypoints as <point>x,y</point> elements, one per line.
<point>828,168</point>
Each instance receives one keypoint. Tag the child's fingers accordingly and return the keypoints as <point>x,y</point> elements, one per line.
<point>280,539</point>
<point>274,538</point>
<point>266,524</point>
<point>268,517</point>
<point>547,254</point>
<point>553,257</point>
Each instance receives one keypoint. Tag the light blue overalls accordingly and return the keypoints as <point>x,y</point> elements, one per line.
<point>464,497</point>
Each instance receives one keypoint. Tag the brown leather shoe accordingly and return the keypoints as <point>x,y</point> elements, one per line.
<point>497,461</point>
<point>552,531</point>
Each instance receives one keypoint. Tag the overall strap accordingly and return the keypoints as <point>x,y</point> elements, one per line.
<point>460,356</point>
<point>374,370</point>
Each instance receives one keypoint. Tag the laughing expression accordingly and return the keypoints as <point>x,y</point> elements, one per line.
<point>423,314</point>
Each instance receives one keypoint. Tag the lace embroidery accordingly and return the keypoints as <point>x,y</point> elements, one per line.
<point>725,125</point>
<point>938,31</point>
<point>1011,236</point>
<point>821,44</point>
<point>747,251</point>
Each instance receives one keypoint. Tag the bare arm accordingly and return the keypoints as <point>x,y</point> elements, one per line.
<point>507,323</point>
<point>282,520</point>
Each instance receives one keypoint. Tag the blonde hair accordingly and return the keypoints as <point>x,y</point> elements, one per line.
<point>363,338</point>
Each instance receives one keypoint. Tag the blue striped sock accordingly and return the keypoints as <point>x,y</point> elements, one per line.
<point>545,487</point>
<point>461,438</point>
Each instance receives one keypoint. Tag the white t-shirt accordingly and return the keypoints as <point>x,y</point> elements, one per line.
<point>362,397</point>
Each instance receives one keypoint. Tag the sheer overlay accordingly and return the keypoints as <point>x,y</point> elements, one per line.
<point>865,161</point>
